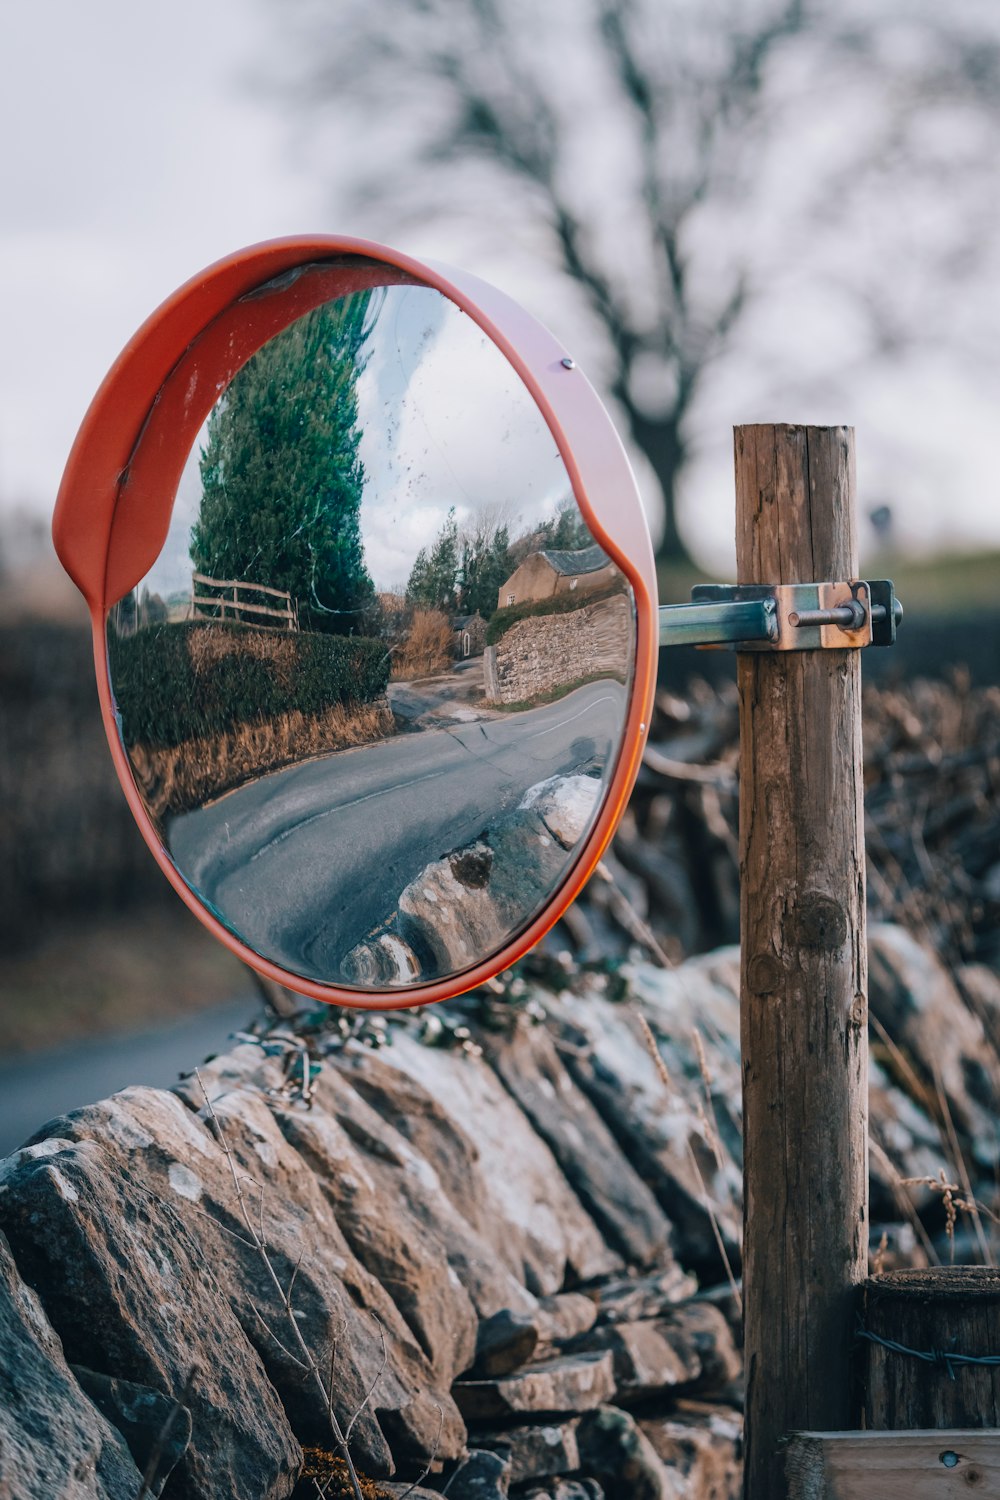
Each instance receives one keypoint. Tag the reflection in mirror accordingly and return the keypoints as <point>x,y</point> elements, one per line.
<point>376,682</point>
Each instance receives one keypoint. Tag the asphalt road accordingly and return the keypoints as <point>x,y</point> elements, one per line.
<point>36,1088</point>
<point>307,861</point>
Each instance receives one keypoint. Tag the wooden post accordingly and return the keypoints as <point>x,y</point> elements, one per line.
<point>943,1310</point>
<point>803,965</point>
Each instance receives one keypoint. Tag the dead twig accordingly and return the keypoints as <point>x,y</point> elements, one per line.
<point>257,1237</point>
<point>679,770</point>
<point>707,1203</point>
<point>378,1376</point>
<point>433,1455</point>
<point>163,1436</point>
<point>636,927</point>
<point>903,1201</point>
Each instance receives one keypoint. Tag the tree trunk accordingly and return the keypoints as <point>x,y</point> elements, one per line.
<point>660,440</point>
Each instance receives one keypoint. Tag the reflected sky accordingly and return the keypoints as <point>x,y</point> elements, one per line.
<point>446,424</point>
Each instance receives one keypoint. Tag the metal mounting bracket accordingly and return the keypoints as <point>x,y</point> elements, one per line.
<point>785,617</point>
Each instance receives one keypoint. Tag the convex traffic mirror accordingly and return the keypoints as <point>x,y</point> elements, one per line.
<point>374,615</point>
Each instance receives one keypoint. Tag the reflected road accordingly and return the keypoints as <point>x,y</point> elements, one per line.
<point>306,862</point>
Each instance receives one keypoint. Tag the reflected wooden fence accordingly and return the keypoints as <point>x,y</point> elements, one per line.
<point>230,603</point>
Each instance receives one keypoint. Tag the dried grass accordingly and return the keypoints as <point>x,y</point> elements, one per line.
<point>935,1104</point>
<point>188,775</point>
<point>428,646</point>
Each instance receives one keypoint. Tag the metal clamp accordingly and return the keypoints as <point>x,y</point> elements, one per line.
<point>785,617</point>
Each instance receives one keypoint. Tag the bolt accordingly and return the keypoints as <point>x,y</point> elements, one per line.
<point>949,1458</point>
<point>847,616</point>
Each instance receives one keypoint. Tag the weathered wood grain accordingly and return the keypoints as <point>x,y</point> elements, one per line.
<point>804,969</point>
<point>928,1465</point>
<point>948,1310</point>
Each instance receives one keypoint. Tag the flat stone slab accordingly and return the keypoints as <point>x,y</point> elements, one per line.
<point>568,1489</point>
<point>122,1278</point>
<point>540,1452</point>
<point>173,1158</point>
<point>600,1173</point>
<point>505,1343</point>
<point>53,1442</point>
<point>628,1299</point>
<point>484,1475</point>
<point>704,1444</point>
<point>574,1383</point>
<point>156,1429</point>
<point>691,1348</point>
<point>565,1316</point>
<point>512,1188</point>
<point>615,1450</point>
<point>646,1362</point>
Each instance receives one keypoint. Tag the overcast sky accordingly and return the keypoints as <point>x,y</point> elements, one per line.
<point>134,155</point>
<point>136,152</point>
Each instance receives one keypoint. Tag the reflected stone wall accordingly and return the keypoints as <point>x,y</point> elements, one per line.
<point>548,652</point>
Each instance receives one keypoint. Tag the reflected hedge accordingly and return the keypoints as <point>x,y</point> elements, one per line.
<point>184,681</point>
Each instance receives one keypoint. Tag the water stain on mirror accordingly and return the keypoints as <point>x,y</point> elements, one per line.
<point>376,682</point>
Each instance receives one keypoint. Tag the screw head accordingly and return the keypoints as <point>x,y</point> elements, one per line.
<point>949,1458</point>
<point>567,363</point>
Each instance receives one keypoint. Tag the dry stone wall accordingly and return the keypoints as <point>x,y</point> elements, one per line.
<point>545,652</point>
<point>486,1235</point>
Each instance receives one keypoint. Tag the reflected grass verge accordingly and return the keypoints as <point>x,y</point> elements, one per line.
<point>553,695</point>
<point>177,778</point>
<point>428,647</point>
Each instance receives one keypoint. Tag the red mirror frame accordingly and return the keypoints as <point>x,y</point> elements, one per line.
<point>116,496</point>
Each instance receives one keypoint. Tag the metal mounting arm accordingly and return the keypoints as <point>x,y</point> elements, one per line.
<point>785,617</point>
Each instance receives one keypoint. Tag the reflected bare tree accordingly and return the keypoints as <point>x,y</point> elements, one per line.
<point>682,164</point>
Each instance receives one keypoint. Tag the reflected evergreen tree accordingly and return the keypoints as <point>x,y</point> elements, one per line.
<point>433,581</point>
<point>567,531</point>
<point>486,565</point>
<point>281,477</point>
<point>464,569</point>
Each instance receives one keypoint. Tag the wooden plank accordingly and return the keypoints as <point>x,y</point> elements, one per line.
<point>803,958</point>
<point>929,1464</point>
<point>235,583</point>
<point>254,609</point>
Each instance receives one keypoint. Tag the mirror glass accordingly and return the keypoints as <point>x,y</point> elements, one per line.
<point>374,686</point>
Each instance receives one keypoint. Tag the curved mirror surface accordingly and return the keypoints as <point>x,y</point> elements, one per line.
<point>375,684</point>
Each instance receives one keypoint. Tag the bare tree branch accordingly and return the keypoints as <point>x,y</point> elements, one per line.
<point>667,151</point>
